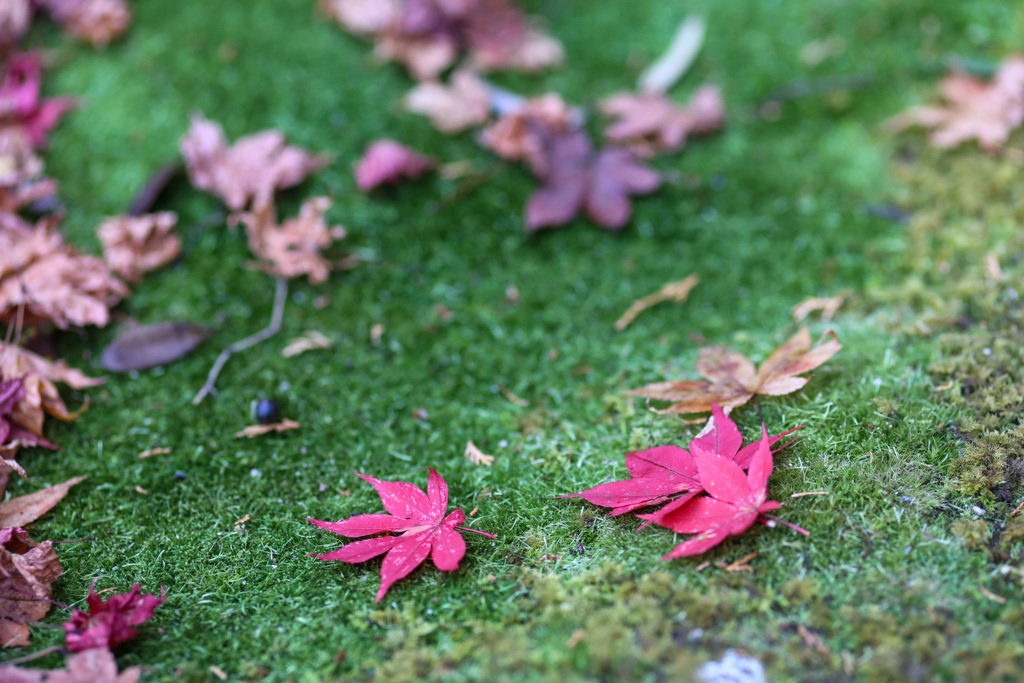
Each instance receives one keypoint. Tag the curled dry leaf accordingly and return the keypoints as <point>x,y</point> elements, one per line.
<point>27,572</point>
<point>307,342</point>
<point>985,111</point>
<point>148,346</point>
<point>292,248</point>
<point>733,379</point>
<point>38,376</point>
<point>90,666</point>
<point>387,162</point>
<point>248,171</point>
<point>462,104</point>
<point>259,430</point>
<point>12,434</point>
<point>30,507</point>
<point>21,103</point>
<point>110,622</point>
<point>19,164</point>
<point>415,527</point>
<point>672,291</point>
<point>524,133</point>
<point>96,21</point>
<point>828,307</point>
<point>650,123</point>
<point>135,245</point>
<point>476,456</point>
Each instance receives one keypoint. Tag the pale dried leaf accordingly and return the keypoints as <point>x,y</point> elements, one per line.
<point>260,430</point>
<point>827,305</point>
<point>148,346</point>
<point>154,451</point>
<point>476,456</point>
<point>30,507</point>
<point>309,341</point>
<point>362,17</point>
<point>26,576</point>
<point>135,245</point>
<point>462,104</point>
<point>96,21</point>
<point>673,291</point>
<point>96,665</point>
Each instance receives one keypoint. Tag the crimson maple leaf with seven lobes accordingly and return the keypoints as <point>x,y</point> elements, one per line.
<point>421,526</point>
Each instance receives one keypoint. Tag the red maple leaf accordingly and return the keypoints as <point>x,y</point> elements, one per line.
<point>734,502</point>
<point>669,474</point>
<point>421,526</point>
<point>108,624</point>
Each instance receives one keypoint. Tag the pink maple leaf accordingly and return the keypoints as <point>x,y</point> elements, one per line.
<point>21,103</point>
<point>108,624</point>
<point>387,162</point>
<point>419,522</point>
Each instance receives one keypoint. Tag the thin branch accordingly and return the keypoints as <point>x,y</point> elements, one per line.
<point>154,187</point>
<point>280,298</point>
<point>35,655</point>
<point>660,76</point>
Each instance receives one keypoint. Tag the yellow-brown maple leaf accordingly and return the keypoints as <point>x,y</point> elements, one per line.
<point>733,379</point>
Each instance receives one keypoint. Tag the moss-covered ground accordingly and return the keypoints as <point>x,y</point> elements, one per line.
<point>898,581</point>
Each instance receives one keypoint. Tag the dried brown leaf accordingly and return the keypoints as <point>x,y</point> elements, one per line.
<point>30,507</point>
<point>96,665</point>
<point>26,576</point>
<point>362,17</point>
<point>260,430</point>
<point>96,21</point>
<point>672,291</point>
<point>309,341</point>
<point>476,456</point>
<point>462,104</point>
<point>148,346</point>
<point>650,123</point>
<point>135,245</point>
<point>827,305</point>
<point>154,451</point>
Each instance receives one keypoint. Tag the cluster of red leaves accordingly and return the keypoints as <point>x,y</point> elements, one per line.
<point>975,109</point>
<point>109,623</point>
<point>246,175</point>
<point>420,525</point>
<point>95,21</point>
<point>429,36</point>
<point>702,491</point>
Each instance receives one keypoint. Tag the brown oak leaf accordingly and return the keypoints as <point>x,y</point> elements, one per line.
<point>250,170</point>
<point>135,245</point>
<point>96,21</point>
<point>26,574</point>
<point>462,104</point>
<point>733,380</point>
<point>89,666</point>
<point>986,111</point>
<point>292,248</point>
<point>650,123</point>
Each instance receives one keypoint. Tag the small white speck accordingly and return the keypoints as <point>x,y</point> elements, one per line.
<point>503,444</point>
<point>987,352</point>
<point>254,472</point>
<point>977,510</point>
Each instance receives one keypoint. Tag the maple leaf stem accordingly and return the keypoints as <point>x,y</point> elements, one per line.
<point>482,533</point>
<point>772,518</point>
<point>280,298</point>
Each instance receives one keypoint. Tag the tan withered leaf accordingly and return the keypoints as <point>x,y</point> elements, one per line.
<point>259,430</point>
<point>733,379</point>
<point>827,305</point>
<point>41,395</point>
<point>30,507</point>
<point>476,456</point>
<point>462,104</point>
<point>672,291</point>
<point>96,665</point>
<point>309,341</point>
<point>362,17</point>
<point>292,248</point>
<point>650,123</point>
<point>95,21</point>
<point>26,574</point>
<point>135,245</point>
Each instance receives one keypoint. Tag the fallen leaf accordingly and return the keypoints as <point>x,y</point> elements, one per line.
<point>139,489</point>
<point>12,434</point>
<point>294,247</point>
<point>828,307</point>
<point>148,346</point>
<point>154,451</point>
<point>734,500</point>
<point>91,666</point>
<point>362,17</point>
<point>251,170</point>
<point>218,672</point>
<point>21,102</point>
<point>135,245</point>
<point>420,526</point>
<point>651,124</point>
<point>96,21</point>
<point>309,341</point>
<point>476,456</point>
<point>462,104</point>
<point>739,565</point>
<point>386,162</point>
<point>986,111</point>
<point>672,291</point>
<point>669,474</point>
<point>26,574</point>
<point>110,622</point>
<point>260,430</point>
<point>733,379</point>
<point>524,133</point>
<point>26,509</point>
<point>243,520</point>
<point>598,183</point>
<point>15,17</point>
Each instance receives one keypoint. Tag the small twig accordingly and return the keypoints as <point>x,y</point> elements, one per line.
<point>809,493</point>
<point>661,75</point>
<point>35,655</point>
<point>280,298</point>
<point>154,187</point>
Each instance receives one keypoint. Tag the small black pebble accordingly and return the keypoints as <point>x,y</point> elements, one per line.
<point>266,411</point>
<point>180,475</point>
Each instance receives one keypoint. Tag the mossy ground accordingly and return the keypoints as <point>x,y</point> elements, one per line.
<point>769,212</point>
